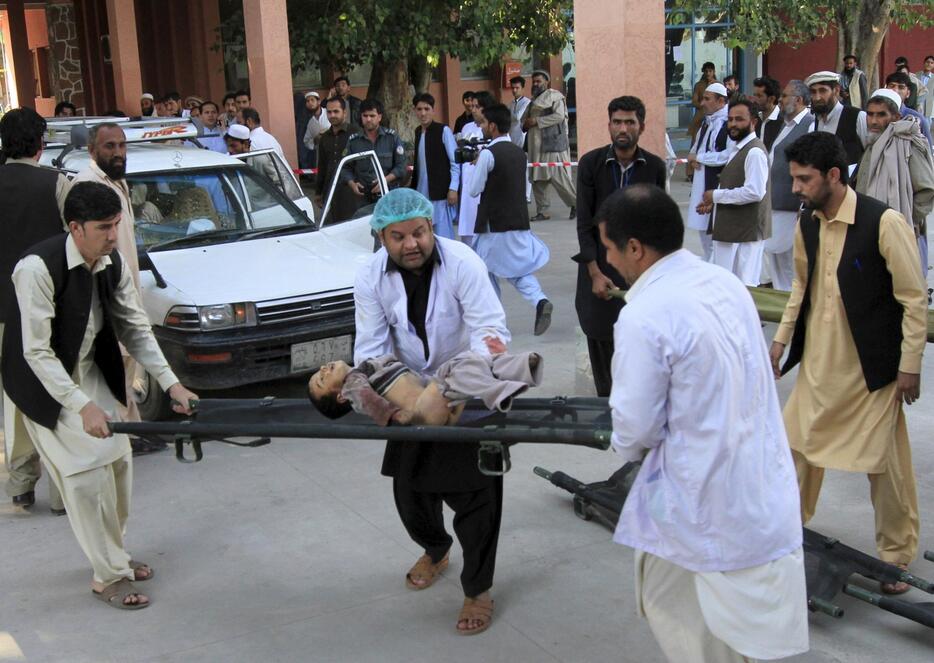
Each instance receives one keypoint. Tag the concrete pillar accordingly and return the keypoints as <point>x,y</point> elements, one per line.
<point>124,55</point>
<point>211,17</point>
<point>22,56</point>
<point>450,75</point>
<point>270,66</point>
<point>619,49</point>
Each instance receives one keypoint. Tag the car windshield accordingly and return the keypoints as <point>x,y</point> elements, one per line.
<point>209,206</point>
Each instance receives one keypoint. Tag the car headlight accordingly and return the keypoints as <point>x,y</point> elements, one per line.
<point>224,316</point>
<point>211,318</point>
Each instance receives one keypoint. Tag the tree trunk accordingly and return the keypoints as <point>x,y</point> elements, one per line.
<point>871,25</point>
<point>420,73</point>
<point>394,90</point>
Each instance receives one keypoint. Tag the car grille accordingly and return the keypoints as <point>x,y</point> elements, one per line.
<point>276,311</point>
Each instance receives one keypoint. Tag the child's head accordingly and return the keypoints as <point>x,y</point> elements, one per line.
<point>324,389</point>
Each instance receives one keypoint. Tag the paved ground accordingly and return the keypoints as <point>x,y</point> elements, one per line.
<point>294,552</point>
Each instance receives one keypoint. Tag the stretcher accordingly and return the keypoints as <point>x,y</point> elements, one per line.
<point>560,420</point>
<point>830,566</point>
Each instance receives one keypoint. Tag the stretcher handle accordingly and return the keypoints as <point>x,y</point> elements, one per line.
<point>192,404</point>
<point>180,442</point>
<point>929,555</point>
<point>916,613</point>
<point>817,604</point>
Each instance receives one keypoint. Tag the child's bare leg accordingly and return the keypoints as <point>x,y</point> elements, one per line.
<point>431,408</point>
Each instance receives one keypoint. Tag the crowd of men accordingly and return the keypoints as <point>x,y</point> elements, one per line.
<point>825,184</point>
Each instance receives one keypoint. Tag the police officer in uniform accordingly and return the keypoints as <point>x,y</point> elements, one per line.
<point>390,152</point>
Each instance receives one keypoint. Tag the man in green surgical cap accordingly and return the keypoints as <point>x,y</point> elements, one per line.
<point>425,299</point>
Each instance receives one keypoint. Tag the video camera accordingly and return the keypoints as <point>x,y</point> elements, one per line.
<point>468,149</point>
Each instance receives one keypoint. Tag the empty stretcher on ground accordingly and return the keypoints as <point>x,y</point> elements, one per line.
<point>561,420</point>
<point>831,567</point>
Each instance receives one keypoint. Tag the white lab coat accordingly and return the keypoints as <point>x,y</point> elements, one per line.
<point>463,309</point>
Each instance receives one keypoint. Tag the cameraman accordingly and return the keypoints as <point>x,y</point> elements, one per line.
<point>390,152</point>
<point>504,239</point>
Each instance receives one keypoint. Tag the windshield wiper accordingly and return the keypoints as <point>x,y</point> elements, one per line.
<point>284,230</point>
<point>197,238</point>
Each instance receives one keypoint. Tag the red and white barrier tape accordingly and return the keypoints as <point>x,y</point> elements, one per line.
<point>535,164</point>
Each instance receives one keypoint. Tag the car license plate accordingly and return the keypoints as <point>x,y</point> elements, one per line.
<point>312,354</point>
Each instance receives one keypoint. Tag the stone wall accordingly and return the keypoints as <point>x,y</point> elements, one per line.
<point>64,59</point>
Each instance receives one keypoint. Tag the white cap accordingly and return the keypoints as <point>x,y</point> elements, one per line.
<point>147,95</point>
<point>891,95</point>
<point>238,131</point>
<point>312,93</point>
<point>717,88</point>
<point>822,77</point>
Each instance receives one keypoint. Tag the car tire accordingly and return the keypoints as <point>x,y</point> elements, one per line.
<point>154,404</point>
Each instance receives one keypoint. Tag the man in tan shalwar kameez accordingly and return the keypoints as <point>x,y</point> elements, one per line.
<point>860,302</point>
<point>546,122</point>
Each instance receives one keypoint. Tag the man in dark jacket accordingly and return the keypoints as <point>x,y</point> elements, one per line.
<point>30,199</point>
<point>601,172</point>
<point>331,147</point>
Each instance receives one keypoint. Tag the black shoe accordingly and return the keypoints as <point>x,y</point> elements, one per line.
<point>541,216</point>
<point>58,512</point>
<point>26,499</point>
<point>142,447</point>
<point>573,214</point>
<point>542,317</point>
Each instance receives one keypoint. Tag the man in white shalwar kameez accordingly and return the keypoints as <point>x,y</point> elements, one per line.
<point>709,153</point>
<point>719,560</point>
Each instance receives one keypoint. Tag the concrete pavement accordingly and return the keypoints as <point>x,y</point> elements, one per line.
<point>294,552</point>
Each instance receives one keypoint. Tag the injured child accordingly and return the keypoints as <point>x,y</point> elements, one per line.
<point>389,392</point>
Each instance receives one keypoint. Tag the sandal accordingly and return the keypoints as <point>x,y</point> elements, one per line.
<point>136,566</point>
<point>425,569</point>
<point>120,590</point>
<point>893,588</point>
<point>480,610</point>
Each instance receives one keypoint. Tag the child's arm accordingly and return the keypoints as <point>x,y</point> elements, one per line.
<point>365,400</point>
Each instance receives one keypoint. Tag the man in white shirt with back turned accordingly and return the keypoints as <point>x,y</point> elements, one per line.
<point>714,512</point>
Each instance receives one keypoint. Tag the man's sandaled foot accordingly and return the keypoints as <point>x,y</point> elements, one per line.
<point>476,615</point>
<point>141,571</point>
<point>122,595</point>
<point>895,587</point>
<point>424,573</point>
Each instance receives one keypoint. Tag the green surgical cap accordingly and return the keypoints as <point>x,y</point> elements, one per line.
<point>400,205</point>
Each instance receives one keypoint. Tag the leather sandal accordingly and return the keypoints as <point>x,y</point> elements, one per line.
<point>893,588</point>
<point>116,593</point>
<point>425,569</point>
<point>136,566</point>
<point>475,610</point>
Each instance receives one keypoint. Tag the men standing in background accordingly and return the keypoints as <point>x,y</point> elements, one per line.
<point>740,206</point>
<point>899,83</point>
<point>848,123</point>
<point>230,109</point>
<point>708,76</point>
<point>147,105</point>
<point>926,79</point>
<point>389,151</point>
<point>467,214</point>
<point>468,99</point>
<point>706,159</point>
<point>897,169</point>
<point>260,139</point>
<point>731,83</point>
<point>317,124</point>
<point>242,99</point>
<point>342,90</point>
<point>601,172</point>
<point>331,146</point>
<point>31,198</point>
<point>766,93</point>
<point>779,248</point>
<point>212,135</point>
<point>435,174</point>
<point>517,109</point>
<point>854,89</point>
<point>546,124</point>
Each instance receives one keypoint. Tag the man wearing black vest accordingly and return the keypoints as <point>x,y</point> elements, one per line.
<point>504,238</point>
<point>30,199</point>
<point>848,123</point>
<point>599,173</point>
<point>860,348</point>
<point>436,175</point>
<point>708,155</point>
<point>740,206</point>
<point>63,369</point>
<point>766,92</point>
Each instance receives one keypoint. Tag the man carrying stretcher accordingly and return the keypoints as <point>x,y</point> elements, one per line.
<point>389,392</point>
